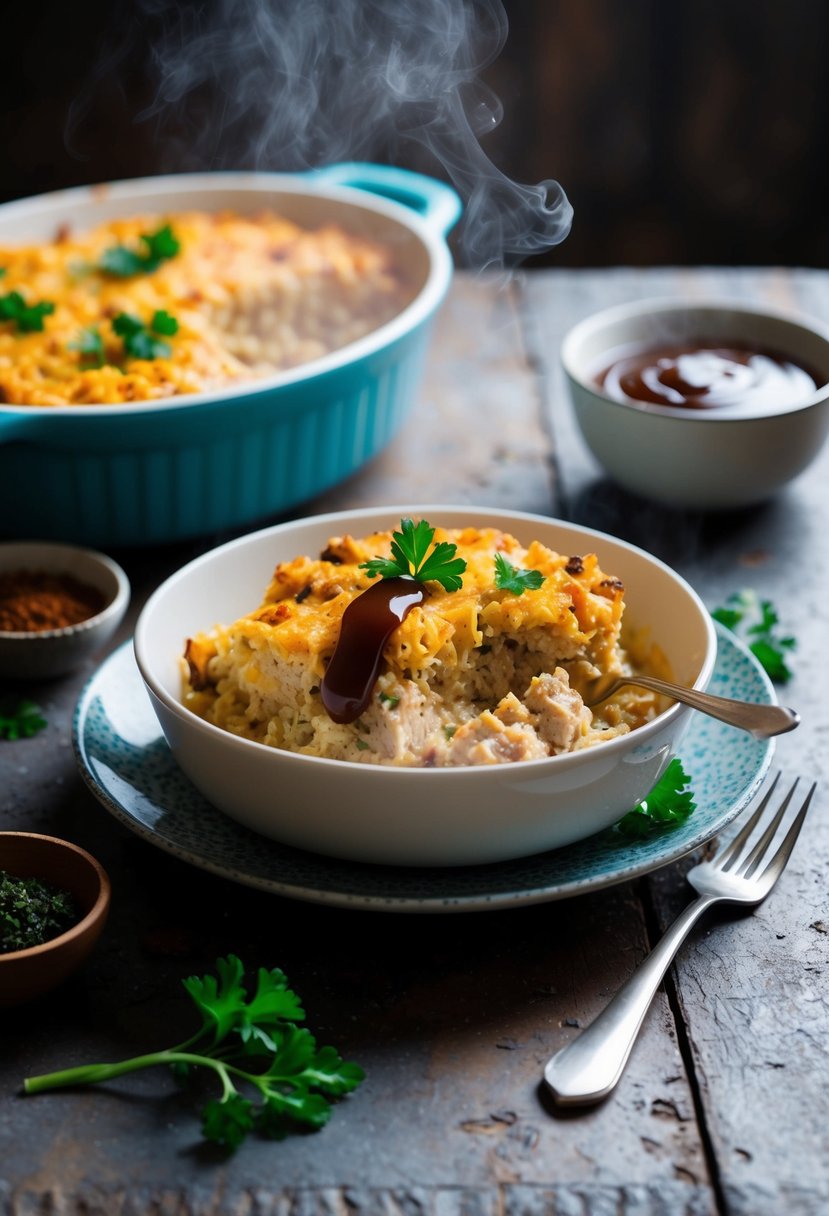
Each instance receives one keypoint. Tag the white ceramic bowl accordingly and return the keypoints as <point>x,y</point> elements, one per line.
<point>46,653</point>
<point>418,816</point>
<point>697,458</point>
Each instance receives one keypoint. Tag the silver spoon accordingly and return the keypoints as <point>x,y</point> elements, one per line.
<point>761,721</point>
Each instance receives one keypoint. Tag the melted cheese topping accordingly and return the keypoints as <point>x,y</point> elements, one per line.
<point>252,296</point>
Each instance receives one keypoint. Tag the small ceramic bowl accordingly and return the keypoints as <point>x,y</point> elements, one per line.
<point>415,816</point>
<point>46,653</point>
<point>26,974</point>
<point>704,458</point>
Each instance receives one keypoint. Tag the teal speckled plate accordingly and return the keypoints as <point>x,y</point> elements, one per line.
<point>126,762</point>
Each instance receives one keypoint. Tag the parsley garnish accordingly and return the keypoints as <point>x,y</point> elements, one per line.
<point>23,722</point>
<point>409,548</point>
<point>248,1041</point>
<point>669,803</point>
<point>392,702</point>
<point>510,578</point>
<point>90,346</point>
<point>140,341</point>
<point>122,262</point>
<point>28,318</point>
<point>756,620</point>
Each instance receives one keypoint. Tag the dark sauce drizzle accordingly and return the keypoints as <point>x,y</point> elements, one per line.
<point>368,623</point>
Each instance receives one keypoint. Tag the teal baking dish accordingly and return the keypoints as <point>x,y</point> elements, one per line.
<point>149,473</point>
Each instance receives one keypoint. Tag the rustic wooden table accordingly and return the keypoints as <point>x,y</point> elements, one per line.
<point>724,1107</point>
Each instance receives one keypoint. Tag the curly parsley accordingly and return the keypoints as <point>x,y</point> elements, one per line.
<point>411,556</point>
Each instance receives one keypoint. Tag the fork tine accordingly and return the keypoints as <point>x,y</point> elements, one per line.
<point>723,860</point>
<point>745,867</point>
<point>775,866</point>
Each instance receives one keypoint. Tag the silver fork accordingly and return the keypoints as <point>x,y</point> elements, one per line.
<point>761,721</point>
<point>588,1068</point>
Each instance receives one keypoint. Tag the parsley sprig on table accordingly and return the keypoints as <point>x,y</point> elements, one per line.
<point>670,802</point>
<point>252,1044</point>
<point>22,722</point>
<point>756,621</point>
<point>411,556</point>
<point>28,318</point>
<point>511,578</point>
<point>122,262</point>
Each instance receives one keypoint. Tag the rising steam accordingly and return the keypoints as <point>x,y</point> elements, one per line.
<point>294,84</point>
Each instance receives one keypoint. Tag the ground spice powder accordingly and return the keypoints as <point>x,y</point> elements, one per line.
<point>35,600</point>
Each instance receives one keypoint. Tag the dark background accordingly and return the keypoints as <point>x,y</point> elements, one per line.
<point>683,131</point>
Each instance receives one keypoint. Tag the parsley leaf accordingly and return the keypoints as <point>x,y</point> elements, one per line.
<point>28,318</point>
<point>164,323</point>
<point>122,262</point>
<point>510,578</point>
<point>669,803</point>
<point>23,722</point>
<point>252,1045</point>
<point>140,341</point>
<point>410,556</point>
<point>90,346</point>
<point>757,622</point>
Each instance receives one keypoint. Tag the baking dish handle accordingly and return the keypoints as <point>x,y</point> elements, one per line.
<point>436,202</point>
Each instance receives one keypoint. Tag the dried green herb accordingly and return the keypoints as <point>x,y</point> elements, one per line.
<point>32,912</point>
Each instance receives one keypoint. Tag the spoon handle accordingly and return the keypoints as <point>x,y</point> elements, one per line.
<point>761,721</point>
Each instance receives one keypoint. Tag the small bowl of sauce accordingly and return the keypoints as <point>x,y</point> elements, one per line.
<point>59,605</point>
<point>707,375</point>
<point>708,405</point>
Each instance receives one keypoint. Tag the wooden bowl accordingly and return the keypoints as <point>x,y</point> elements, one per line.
<point>26,974</point>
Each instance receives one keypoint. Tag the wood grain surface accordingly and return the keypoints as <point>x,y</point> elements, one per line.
<point>724,1108</point>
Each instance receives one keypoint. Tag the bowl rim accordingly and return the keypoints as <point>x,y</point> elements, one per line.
<point>380,771</point>
<point>401,324</point>
<point>114,607</point>
<point>95,913</point>
<point>680,304</point>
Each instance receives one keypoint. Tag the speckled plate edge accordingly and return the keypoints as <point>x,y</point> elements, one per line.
<point>726,766</point>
